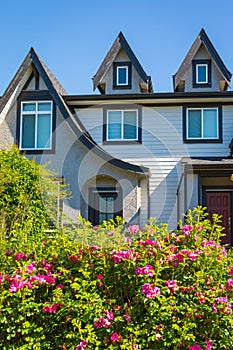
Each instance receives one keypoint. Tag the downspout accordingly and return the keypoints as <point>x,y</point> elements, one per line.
<point>148,196</point>
<point>183,177</point>
<point>178,196</point>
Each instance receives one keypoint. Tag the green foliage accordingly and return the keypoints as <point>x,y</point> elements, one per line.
<point>118,287</point>
<point>28,195</point>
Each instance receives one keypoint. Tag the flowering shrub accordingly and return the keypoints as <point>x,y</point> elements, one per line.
<point>147,288</point>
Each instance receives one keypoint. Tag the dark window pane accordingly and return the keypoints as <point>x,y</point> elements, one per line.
<point>29,107</point>
<point>122,75</point>
<point>44,106</point>
<point>130,125</point>
<point>28,131</point>
<point>43,130</point>
<point>114,125</point>
<point>210,123</point>
<point>202,73</point>
<point>194,123</point>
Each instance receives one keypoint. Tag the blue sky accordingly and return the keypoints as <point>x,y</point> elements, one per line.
<point>73,36</point>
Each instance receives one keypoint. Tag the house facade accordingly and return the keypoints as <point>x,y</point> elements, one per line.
<point>128,150</point>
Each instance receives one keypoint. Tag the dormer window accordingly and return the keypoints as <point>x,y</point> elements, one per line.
<point>201,73</point>
<point>122,75</point>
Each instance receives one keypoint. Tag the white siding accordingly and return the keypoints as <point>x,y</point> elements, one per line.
<point>161,151</point>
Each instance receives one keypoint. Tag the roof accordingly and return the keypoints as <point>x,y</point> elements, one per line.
<point>120,43</point>
<point>202,38</point>
<point>211,163</point>
<point>56,91</point>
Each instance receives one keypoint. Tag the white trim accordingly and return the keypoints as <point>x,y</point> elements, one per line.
<point>126,73</point>
<point>206,73</point>
<point>202,123</point>
<point>35,113</point>
<point>122,111</point>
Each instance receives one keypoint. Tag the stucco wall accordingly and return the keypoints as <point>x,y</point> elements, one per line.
<point>215,74</point>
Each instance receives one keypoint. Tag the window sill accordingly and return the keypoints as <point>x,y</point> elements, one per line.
<point>37,151</point>
<point>122,142</point>
<point>202,140</point>
<point>202,85</point>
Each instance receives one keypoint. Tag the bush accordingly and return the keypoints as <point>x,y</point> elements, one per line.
<point>144,288</point>
<point>28,195</point>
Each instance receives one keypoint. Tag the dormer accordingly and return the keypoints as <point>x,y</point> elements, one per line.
<point>202,69</point>
<point>121,72</point>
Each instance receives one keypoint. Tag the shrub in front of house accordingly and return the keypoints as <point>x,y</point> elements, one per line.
<point>147,288</point>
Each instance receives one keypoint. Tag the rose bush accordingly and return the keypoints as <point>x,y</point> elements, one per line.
<point>148,288</point>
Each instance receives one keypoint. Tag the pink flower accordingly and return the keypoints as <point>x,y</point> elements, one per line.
<point>158,336</point>
<point>74,258</point>
<point>123,254</point>
<point>48,266</point>
<point>231,270</point>
<point>229,283</point>
<point>134,347</point>
<point>30,268</point>
<point>81,345</point>
<point>195,347</point>
<point>127,318</point>
<point>114,336</point>
<point>111,233</point>
<point>104,322</point>
<point>133,229</point>
<point>172,285</point>
<point>186,230</point>
<point>51,309</point>
<point>20,256</point>
<point>109,315</point>
<point>221,300</point>
<point>149,291</point>
<point>146,270</point>
<point>209,344</point>
<point>17,283</point>
<point>99,277</point>
<point>59,286</point>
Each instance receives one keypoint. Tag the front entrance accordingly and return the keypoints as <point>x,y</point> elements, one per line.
<point>105,203</point>
<point>219,202</point>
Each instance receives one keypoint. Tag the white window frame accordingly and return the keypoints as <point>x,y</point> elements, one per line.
<point>206,75</point>
<point>202,123</point>
<point>122,124</point>
<point>36,112</point>
<point>127,75</point>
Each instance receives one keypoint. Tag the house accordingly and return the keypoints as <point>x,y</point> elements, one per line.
<point>128,150</point>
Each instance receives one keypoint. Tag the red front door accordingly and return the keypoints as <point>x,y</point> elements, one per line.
<point>220,203</point>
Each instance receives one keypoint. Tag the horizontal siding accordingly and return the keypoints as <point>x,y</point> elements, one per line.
<point>161,151</point>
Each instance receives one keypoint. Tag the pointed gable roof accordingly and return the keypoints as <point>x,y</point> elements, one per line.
<point>120,43</point>
<point>202,38</point>
<point>33,61</point>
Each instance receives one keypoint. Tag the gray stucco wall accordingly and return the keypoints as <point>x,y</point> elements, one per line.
<point>215,74</point>
<point>8,129</point>
<point>108,79</point>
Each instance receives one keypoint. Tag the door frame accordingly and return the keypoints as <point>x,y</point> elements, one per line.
<point>229,189</point>
<point>93,206</point>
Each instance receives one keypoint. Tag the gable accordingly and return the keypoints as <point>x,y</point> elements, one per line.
<point>105,78</point>
<point>217,79</point>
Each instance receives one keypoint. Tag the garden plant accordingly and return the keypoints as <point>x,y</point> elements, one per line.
<point>113,286</point>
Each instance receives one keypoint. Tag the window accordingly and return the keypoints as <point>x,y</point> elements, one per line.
<point>36,125</point>
<point>202,73</point>
<point>122,75</point>
<point>203,124</point>
<point>104,204</point>
<point>122,125</point>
